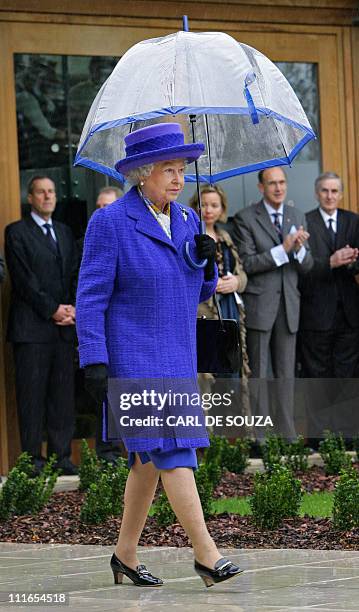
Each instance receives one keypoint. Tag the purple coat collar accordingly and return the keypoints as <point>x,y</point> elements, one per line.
<point>147,224</point>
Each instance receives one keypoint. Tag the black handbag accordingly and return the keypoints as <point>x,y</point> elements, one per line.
<point>218,344</point>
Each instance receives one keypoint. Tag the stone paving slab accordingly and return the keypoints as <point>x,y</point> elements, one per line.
<point>273,581</point>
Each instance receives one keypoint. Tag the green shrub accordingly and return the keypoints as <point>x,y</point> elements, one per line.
<point>213,458</point>
<point>296,457</point>
<point>117,477</point>
<point>223,455</point>
<point>213,453</point>
<point>214,472</point>
<point>273,450</point>
<point>277,495</point>
<point>97,506</point>
<point>89,469</point>
<point>356,447</point>
<point>346,500</point>
<point>332,451</point>
<point>226,452</point>
<point>24,493</point>
<point>163,512</point>
<point>104,497</point>
<point>235,456</point>
<point>205,489</point>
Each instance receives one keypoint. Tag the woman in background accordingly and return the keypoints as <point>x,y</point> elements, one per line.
<point>232,279</point>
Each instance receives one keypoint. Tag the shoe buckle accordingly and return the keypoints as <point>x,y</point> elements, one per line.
<point>227,564</point>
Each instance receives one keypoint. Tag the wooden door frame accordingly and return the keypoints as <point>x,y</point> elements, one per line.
<point>331,47</point>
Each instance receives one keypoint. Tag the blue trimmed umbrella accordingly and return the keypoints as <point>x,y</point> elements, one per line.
<point>247,114</point>
<point>245,111</point>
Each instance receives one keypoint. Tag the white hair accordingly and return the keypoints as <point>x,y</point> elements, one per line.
<point>134,176</point>
<point>327,175</point>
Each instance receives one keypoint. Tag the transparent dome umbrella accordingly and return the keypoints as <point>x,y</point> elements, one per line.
<point>248,115</point>
<point>246,112</point>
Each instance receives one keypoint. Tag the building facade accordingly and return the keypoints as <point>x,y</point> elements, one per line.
<point>55,55</point>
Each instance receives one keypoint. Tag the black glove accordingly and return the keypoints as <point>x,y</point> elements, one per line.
<point>206,249</point>
<point>96,381</point>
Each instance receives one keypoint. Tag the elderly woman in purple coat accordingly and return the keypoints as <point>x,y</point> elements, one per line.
<point>136,319</point>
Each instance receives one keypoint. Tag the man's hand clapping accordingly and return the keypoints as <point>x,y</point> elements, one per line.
<point>294,241</point>
<point>301,237</point>
<point>344,257</point>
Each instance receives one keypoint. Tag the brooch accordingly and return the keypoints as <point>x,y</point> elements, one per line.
<point>184,213</point>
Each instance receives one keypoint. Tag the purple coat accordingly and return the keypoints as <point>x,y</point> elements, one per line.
<point>137,297</point>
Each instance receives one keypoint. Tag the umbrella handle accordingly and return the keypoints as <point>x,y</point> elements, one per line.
<point>187,255</point>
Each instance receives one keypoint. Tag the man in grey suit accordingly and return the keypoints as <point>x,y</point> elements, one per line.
<point>271,240</point>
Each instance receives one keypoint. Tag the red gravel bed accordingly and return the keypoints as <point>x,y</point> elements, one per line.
<point>236,485</point>
<point>60,522</point>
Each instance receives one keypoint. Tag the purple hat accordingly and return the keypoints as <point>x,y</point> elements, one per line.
<point>158,142</point>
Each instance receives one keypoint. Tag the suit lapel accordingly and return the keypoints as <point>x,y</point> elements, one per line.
<point>322,228</point>
<point>342,233</point>
<point>60,242</point>
<point>265,221</point>
<point>287,220</point>
<point>39,234</point>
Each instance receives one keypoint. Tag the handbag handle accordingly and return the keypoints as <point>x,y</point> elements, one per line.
<point>219,311</point>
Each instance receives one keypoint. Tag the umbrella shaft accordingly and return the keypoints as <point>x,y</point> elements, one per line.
<point>193,121</point>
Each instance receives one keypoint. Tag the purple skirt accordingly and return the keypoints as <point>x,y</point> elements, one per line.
<point>167,459</point>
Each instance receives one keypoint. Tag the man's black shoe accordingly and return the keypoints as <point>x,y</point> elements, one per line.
<point>255,451</point>
<point>67,468</point>
<point>109,457</point>
<point>38,465</point>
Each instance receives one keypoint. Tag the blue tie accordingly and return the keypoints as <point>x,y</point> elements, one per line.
<point>52,243</point>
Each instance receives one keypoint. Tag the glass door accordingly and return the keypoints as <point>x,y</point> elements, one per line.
<point>53,96</point>
<point>242,190</point>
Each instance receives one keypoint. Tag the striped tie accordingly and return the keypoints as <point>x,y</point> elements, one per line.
<point>277,225</point>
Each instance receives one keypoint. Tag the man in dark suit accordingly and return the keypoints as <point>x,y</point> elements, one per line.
<point>271,238</point>
<point>108,451</point>
<point>329,322</point>
<point>42,262</point>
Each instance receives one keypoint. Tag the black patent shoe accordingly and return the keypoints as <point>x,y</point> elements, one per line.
<point>140,576</point>
<point>223,570</point>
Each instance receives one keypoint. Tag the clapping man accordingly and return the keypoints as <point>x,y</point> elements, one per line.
<point>329,323</point>
<point>271,239</point>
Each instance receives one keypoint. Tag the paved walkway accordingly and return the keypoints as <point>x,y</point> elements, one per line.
<point>273,581</point>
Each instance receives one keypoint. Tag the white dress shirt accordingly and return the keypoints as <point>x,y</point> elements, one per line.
<point>41,222</point>
<point>278,252</point>
<point>326,218</point>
